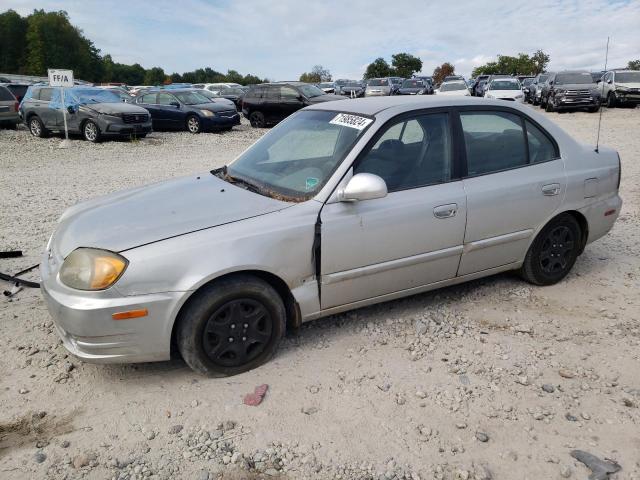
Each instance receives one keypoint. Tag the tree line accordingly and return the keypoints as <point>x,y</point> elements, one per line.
<point>29,45</point>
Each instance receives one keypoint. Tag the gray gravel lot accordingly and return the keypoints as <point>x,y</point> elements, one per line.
<point>494,379</point>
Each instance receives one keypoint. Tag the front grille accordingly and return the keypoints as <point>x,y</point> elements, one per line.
<point>135,117</point>
<point>578,93</point>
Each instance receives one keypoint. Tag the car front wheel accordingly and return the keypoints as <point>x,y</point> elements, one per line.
<point>36,127</point>
<point>231,326</point>
<point>553,252</point>
<point>257,120</point>
<point>91,131</point>
<point>193,124</point>
<point>612,101</point>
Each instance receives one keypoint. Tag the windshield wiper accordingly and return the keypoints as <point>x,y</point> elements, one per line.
<point>222,174</point>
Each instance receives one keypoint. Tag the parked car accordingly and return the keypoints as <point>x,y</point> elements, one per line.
<point>327,87</point>
<point>412,86</point>
<point>378,87</point>
<point>428,83</point>
<point>504,89</point>
<point>235,94</point>
<point>269,103</point>
<point>571,89</point>
<point>537,88</point>
<point>621,88</point>
<point>353,89</point>
<point>531,91</point>
<point>17,89</point>
<point>453,88</point>
<point>396,83</point>
<point>9,116</point>
<point>526,86</point>
<point>215,87</point>
<point>452,78</point>
<point>475,91</point>
<point>341,82</point>
<point>187,110</point>
<point>95,113</point>
<point>219,264</point>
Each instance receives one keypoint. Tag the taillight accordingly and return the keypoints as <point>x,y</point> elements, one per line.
<point>16,106</point>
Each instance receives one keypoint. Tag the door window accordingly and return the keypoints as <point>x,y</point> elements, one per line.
<point>494,141</point>
<point>541,148</point>
<point>272,93</point>
<point>288,94</point>
<point>149,98</point>
<point>165,99</point>
<point>45,94</point>
<point>411,153</point>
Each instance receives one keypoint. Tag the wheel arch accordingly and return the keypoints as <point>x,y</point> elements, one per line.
<point>294,316</point>
<point>584,227</point>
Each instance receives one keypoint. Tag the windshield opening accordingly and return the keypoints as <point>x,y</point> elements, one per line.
<point>297,158</point>
<point>628,77</point>
<point>450,87</point>
<point>412,84</point>
<point>575,78</point>
<point>191,98</point>
<point>378,82</point>
<point>93,95</point>
<point>310,91</point>
<point>504,85</point>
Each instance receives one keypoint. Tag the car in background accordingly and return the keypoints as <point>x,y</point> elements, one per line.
<point>215,87</point>
<point>95,113</point>
<point>269,103</point>
<point>505,89</point>
<point>353,89</point>
<point>378,87</point>
<point>187,109</point>
<point>532,94</point>
<point>413,86</point>
<point>396,82</point>
<point>453,88</point>
<point>17,89</point>
<point>428,82</point>
<point>621,88</point>
<point>345,205</point>
<point>9,106</point>
<point>526,85</point>
<point>327,87</point>
<point>571,89</point>
<point>341,82</point>
<point>235,94</point>
<point>474,89</point>
<point>451,78</point>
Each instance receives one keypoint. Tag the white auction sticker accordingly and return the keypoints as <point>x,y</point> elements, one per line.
<point>352,121</point>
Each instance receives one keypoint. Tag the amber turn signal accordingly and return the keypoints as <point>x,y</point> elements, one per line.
<point>143,312</point>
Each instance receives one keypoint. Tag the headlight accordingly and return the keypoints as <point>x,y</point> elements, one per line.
<point>207,113</point>
<point>92,269</point>
<point>622,89</point>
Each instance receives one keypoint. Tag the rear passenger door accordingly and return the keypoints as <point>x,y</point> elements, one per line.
<point>514,183</point>
<point>46,109</point>
<point>169,115</point>
<point>149,101</point>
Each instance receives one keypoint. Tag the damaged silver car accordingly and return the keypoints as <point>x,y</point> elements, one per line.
<point>342,205</point>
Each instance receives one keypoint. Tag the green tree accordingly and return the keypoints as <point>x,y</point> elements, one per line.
<point>154,76</point>
<point>634,64</point>
<point>523,64</point>
<point>318,74</point>
<point>442,71</point>
<point>251,80</point>
<point>13,30</point>
<point>377,69</point>
<point>405,64</point>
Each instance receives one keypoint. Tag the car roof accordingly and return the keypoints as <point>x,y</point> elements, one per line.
<point>374,105</point>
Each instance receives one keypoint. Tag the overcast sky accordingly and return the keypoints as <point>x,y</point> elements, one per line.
<point>280,39</point>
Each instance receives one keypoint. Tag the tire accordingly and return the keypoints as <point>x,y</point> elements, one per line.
<point>217,337</point>
<point>257,120</point>
<point>534,102</point>
<point>36,127</point>
<point>554,251</point>
<point>193,124</point>
<point>91,131</point>
<point>612,101</point>
<point>548,105</point>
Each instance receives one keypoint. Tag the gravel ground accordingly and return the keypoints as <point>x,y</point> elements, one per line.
<point>494,379</point>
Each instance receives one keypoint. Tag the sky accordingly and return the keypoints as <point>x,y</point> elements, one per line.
<point>280,39</point>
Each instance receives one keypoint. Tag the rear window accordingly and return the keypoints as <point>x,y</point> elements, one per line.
<point>6,95</point>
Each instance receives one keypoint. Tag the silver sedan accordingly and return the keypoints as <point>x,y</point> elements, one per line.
<point>342,205</point>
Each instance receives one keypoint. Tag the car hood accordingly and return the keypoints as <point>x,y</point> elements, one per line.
<point>628,84</point>
<point>115,108</point>
<point>325,98</point>
<point>215,106</point>
<point>135,217</point>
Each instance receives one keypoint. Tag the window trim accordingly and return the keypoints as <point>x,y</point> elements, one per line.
<point>523,117</point>
<point>413,114</point>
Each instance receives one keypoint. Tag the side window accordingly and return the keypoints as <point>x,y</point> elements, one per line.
<point>45,94</point>
<point>272,93</point>
<point>411,153</point>
<point>494,141</point>
<point>288,94</point>
<point>541,148</point>
<point>149,98</point>
<point>165,99</point>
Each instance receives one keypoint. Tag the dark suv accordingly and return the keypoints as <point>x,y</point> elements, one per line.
<point>571,89</point>
<point>95,113</point>
<point>269,103</point>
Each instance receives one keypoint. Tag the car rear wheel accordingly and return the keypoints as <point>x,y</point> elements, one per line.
<point>36,127</point>
<point>612,101</point>
<point>231,326</point>
<point>193,124</point>
<point>553,252</point>
<point>91,131</point>
<point>257,120</point>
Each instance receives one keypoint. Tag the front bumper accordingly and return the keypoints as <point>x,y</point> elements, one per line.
<point>127,128</point>
<point>628,97</point>
<point>85,325</point>
<point>575,102</point>
<point>219,121</point>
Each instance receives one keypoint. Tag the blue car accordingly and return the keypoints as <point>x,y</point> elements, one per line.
<point>187,109</point>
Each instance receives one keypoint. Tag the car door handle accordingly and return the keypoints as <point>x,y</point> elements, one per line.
<point>551,189</point>
<point>445,211</point>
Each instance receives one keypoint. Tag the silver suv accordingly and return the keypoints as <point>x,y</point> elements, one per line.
<point>621,87</point>
<point>95,113</point>
<point>377,87</point>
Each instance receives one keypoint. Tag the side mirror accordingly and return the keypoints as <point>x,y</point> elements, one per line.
<point>71,110</point>
<point>609,81</point>
<point>363,186</point>
<point>175,104</point>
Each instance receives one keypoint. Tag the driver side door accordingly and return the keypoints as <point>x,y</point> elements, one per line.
<point>412,237</point>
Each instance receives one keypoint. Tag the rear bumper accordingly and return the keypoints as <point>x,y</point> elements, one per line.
<point>601,216</point>
<point>12,118</point>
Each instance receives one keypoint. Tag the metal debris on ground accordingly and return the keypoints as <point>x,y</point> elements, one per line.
<point>600,468</point>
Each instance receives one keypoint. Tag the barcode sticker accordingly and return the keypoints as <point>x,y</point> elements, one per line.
<point>352,121</point>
